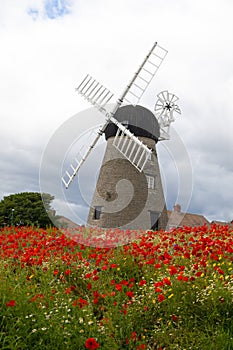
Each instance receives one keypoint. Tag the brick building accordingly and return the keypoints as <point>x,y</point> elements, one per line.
<point>178,218</point>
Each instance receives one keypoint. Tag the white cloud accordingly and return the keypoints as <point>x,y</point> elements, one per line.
<point>47,47</point>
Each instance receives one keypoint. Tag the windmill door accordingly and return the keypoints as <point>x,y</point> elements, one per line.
<point>154,219</point>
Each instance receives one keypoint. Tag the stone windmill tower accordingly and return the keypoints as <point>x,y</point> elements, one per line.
<point>129,191</point>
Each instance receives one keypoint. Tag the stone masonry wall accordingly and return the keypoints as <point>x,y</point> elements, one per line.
<point>122,192</point>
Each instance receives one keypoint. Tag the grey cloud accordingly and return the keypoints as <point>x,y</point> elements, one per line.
<point>42,63</point>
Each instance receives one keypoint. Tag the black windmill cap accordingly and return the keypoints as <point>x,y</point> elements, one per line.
<point>139,120</point>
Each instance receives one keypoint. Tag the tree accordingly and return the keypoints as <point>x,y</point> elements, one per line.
<point>26,209</point>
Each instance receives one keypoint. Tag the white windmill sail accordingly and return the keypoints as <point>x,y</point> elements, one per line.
<point>94,92</point>
<point>79,159</point>
<point>135,151</point>
<point>131,147</point>
<point>164,109</point>
<point>145,74</point>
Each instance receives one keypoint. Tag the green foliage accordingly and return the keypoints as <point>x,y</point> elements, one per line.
<point>25,209</point>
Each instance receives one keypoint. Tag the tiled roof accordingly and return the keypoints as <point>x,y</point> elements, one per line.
<point>177,218</point>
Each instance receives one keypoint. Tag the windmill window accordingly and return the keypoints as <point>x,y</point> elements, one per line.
<point>97,212</point>
<point>150,181</point>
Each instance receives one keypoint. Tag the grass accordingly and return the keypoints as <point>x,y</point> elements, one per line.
<point>166,290</point>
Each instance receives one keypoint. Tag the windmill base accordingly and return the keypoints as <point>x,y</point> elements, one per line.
<point>126,198</point>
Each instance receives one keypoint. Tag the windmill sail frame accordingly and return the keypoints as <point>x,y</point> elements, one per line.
<point>99,96</point>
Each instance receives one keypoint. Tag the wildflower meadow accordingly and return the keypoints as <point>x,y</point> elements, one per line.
<point>163,290</point>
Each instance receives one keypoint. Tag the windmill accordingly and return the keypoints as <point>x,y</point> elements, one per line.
<point>129,191</point>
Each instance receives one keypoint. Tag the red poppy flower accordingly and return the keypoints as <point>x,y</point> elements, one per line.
<point>124,283</point>
<point>141,346</point>
<point>80,302</point>
<point>167,281</point>
<point>91,344</point>
<point>174,318</point>
<point>10,303</point>
<point>118,287</point>
<point>113,266</point>
<point>161,298</point>
<point>133,336</point>
<point>142,282</point>
<point>173,270</point>
<point>180,277</point>
<point>95,293</point>
<point>67,291</point>
<point>199,273</point>
<point>129,294</point>
<point>157,266</point>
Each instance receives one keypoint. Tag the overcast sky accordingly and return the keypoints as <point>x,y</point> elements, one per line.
<point>47,47</point>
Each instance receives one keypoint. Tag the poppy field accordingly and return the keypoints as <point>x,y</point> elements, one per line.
<point>163,290</point>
